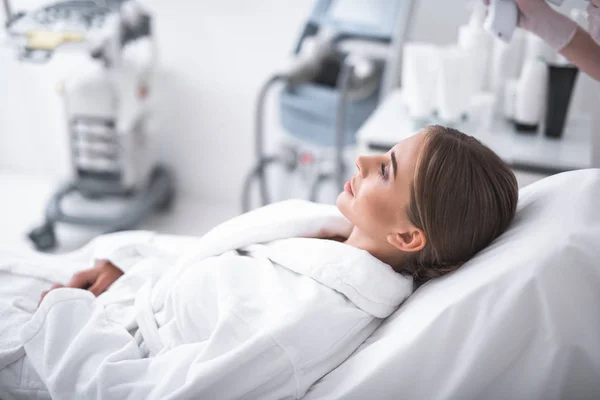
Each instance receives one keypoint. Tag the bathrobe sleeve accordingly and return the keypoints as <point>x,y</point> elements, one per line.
<point>90,357</point>
<point>126,249</point>
<point>124,258</point>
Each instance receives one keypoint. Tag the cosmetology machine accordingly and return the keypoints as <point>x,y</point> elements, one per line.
<point>107,108</point>
<point>346,59</point>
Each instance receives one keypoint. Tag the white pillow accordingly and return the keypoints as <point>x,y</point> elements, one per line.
<point>521,320</point>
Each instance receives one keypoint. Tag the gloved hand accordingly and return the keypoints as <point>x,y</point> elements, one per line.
<point>537,17</point>
<point>593,10</point>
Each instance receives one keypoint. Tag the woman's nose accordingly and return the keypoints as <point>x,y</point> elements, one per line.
<point>362,163</point>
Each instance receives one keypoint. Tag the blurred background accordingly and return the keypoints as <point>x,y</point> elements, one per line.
<point>208,62</point>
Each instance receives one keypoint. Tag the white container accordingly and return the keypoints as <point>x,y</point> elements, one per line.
<point>509,99</point>
<point>482,110</point>
<point>531,93</point>
<point>498,70</point>
<point>507,60</point>
<point>505,65</point>
<point>476,42</point>
<point>536,48</point>
<point>419,74</point>
<point>455,84</point>
<point>474,38</point>
<point>515,56</point>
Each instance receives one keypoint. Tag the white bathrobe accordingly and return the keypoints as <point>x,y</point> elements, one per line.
<point>256,310</point>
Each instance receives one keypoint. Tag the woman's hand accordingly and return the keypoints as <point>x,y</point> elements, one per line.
<point>96,279</point>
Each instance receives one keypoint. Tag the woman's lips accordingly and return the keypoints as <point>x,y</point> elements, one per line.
<point>348,188</point>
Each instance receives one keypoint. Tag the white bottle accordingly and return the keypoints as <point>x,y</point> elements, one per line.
<point>531,95</point>
<point>506,64</point>
<point>454,84</point>
<point>473,38</point>
<point>420,66</point>
<point>535,47</point>
<point>509,99</point>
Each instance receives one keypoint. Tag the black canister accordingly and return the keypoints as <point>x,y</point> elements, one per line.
<point>561,80</point>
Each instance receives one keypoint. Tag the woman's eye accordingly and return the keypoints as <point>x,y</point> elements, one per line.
<point>383,171</point>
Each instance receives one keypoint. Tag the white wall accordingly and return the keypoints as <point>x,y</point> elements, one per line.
<point>211,81</point>
<point>208,82</point>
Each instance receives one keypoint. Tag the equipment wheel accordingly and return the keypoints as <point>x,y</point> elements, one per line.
<point>43,237</point>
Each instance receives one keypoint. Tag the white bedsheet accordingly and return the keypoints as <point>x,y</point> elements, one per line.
<point>519,321</point>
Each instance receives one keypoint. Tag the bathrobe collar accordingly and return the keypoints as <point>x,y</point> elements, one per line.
<point>369,283</point>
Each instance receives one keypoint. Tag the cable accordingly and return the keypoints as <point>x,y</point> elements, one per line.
<point>258,172</point>
<point>7,11</point>
<point>259,134</point>
<point>321,177</point>
<point>343,83</point>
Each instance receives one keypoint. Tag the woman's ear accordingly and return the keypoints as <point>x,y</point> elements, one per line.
<point>413,240</point>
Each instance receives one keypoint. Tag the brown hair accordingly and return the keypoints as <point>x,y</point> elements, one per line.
<point>463,197</point>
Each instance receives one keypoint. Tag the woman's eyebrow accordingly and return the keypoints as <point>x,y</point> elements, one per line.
<point>394,165</point>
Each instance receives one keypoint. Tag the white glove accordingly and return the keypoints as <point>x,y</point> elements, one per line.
<point>593,10</point>
<point>537,17</point>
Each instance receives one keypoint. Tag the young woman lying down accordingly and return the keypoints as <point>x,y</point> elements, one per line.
<point>269,302</point>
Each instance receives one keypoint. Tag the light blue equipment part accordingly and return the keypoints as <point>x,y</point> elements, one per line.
<point>346,58</point>
<point>309,110</point>
<point>113,155</point>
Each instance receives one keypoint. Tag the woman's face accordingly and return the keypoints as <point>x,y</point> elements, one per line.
<point>376,199</point>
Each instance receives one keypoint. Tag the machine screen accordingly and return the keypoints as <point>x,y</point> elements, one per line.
<point>361,12</point>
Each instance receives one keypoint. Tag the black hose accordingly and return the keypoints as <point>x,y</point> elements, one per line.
<point>343,84</point>
<point>258,172</point>
<point>322,177</point>
<point>259,135</point>
<point>259,115</point>
<point>254,173</point>
<point>7,11</point>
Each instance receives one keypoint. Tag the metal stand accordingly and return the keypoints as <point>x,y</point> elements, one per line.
<point>291,163</point>
<point>7,10</point>
<point>157,195</point>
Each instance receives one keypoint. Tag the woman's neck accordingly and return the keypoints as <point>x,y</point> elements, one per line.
<point>379,249</point>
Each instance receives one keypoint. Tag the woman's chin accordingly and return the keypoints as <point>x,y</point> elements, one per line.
<point>343,202</point>
<point>341,199</point>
